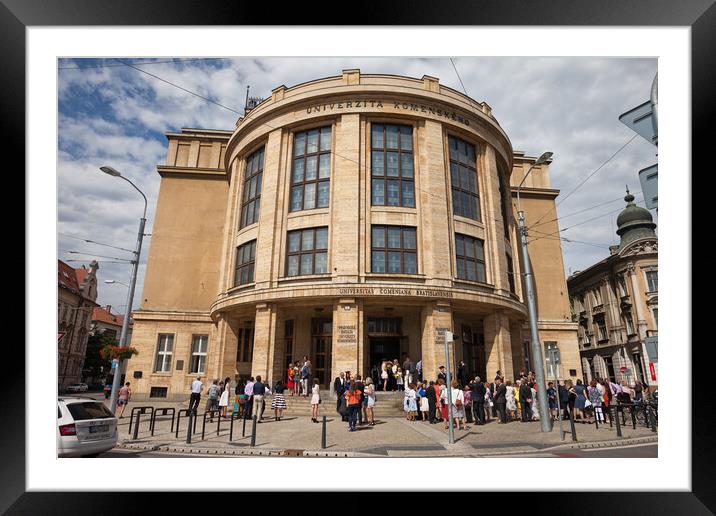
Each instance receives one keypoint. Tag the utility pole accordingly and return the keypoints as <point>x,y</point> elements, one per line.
<point>538,357</point>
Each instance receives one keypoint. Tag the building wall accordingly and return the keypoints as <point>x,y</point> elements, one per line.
<point>428,302</point>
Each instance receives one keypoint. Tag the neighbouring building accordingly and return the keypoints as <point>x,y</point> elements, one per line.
<point>110,324</point>
<point>350,219</point>
<point>76,295</point>
<point>616,305</point>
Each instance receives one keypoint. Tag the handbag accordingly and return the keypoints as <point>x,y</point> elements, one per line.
<point>587,403</point>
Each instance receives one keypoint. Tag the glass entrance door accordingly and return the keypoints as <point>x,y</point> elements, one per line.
<point>321,338</point>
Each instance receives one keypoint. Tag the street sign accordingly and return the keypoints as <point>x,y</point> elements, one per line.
<point>60,335</point>
<point>652,347</point>
<point>649,186</point>
<point>652,371</point>
<point>641,120</point>
<point>622,370</point>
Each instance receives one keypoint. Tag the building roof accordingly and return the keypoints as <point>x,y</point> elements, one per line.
<point>67,277</point>
<point>104,314</point>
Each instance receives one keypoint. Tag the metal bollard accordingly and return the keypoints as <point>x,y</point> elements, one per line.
<point>619,426</point>
<point>323,434</point>
<point>571,426</point>
<point>632,410</point>
<point>243,429</point>
<point>188,427</point>
<point>253,432</point>
<point>652,419</point>
<point>136,426</point>
<point>609,412</point>
<point>596,417</point>
<point>218,424</point>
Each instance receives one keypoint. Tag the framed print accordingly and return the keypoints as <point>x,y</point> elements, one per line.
<point>343,248</point>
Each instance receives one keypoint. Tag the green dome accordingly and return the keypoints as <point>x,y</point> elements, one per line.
<point>634,222</point>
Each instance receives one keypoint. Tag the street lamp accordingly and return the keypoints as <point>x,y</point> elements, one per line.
<point>111,282</point>
<point>543,404</point>
<point>130,294</point>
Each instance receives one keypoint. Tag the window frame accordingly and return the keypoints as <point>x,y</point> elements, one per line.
<point>386,249</point>
<point>245,342</point>
<point>301,252</point>
<point>470,259</point>
<point>164,354</point>
<point>460,212</point>
<point>304,157</point>
<point>244,220</point>
<point>198,355</point>
<point>245,265</point>
<point>649,283</point>
<point>551,351</point>
<point>385,178</point>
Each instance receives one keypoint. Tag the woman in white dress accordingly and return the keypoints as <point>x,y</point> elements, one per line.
<point>535,411</point>
<point>370,394</point>
<point>510,396</point>
<point>458,409</point>
<point>224,400</point>
<point>315,400</point>
<point>384,375</point>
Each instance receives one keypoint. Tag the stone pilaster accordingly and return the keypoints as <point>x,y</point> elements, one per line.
<point>641,324</point>
<point>346,187</point>
<point>347,349</point>
<point>268,238</point>
<point>498,345</point>
<point>264,340</point>
<point>436,318</point>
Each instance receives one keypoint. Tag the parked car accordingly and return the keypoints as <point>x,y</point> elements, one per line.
<point>85,427</point>
<point>77,387</point>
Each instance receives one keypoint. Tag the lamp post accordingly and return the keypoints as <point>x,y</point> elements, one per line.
<point>543,403</point>
<point>132,282</point>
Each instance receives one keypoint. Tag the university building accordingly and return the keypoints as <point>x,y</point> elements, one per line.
<point>350,219</point>
<point>616,303</point>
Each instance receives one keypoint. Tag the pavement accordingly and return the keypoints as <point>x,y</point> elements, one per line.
<point>298,436</point>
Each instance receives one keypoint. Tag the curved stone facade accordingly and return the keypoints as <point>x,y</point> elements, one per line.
<point>347,219</point>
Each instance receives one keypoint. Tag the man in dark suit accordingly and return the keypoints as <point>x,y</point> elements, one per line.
<point>500,400</point>
<point>526,401</point>
<point>478,400</point>
<point>339,386</point>
<point>432,402</point>
<point>461,374</point>
<point>441,374</point>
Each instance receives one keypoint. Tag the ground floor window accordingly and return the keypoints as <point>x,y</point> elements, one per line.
<point>551,354</point>
<point>321,337</point>
<point>199,346</point>
<point>609,363</point>
<point>163,360</point>
<point>245,348</point>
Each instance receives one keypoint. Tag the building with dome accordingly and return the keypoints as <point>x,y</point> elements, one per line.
<point>616,303</point>
<point>349,219</point>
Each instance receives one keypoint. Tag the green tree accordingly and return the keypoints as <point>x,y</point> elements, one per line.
<point>95,365</point>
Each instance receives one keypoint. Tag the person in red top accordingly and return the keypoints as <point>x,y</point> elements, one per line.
<point>353,401</point>
<point>290,384</point>
<point>438,407</point>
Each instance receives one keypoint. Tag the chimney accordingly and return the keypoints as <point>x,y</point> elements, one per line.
<point>108,308</point>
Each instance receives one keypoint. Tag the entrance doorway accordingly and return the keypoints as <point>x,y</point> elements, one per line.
<point>321,332</point>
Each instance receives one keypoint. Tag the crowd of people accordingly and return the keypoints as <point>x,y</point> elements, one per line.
<point>475,401</point>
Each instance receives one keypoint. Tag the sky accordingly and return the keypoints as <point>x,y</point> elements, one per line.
<point>112,114</point>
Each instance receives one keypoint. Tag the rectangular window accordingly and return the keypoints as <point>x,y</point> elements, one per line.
<point>655,311</point>
<point>602,329</point>
<point>505,198</point>
<point>394,249</point>
<point>463,179</point>
<point>251,195</point>
<point>652,281</point>
<point>552,359</point>
<point>199,346</point>
<point>629,323</point>
<point>245,259</point>
<point>245,343</point>
<point>311,173</point>
<point>307,252</point>
<point>288,342</point>
<point>163,360</point>
<point>392,165</point>
<point>510,274</point>
<point>470,256</point>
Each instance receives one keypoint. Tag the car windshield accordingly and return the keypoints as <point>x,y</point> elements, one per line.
<point>89,410</point>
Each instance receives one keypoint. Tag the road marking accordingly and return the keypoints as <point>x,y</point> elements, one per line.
<point>619,447</point>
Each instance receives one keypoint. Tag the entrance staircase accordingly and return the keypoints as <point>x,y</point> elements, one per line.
<point>387,404</point>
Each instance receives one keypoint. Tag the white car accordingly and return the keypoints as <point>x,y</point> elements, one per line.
<point>76,387</point>
<point>85,427</point>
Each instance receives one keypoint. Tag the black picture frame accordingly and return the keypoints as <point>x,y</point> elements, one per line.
<point>699,15</point>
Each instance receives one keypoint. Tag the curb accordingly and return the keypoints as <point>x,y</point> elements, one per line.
<point>276,452</point>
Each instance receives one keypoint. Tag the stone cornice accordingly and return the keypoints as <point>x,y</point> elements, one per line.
<point>192,172</point>
<point>365,291</point>
<point>168,315</point>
